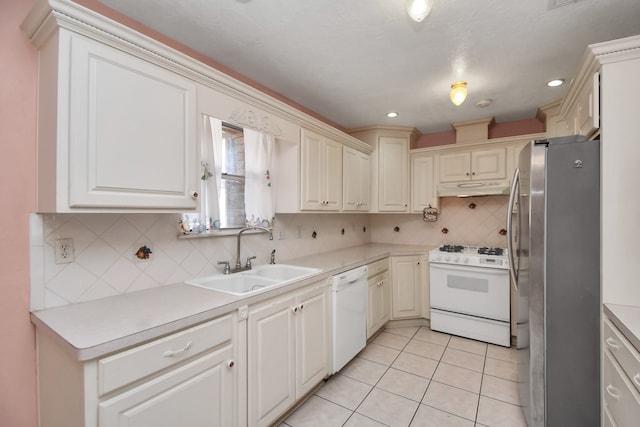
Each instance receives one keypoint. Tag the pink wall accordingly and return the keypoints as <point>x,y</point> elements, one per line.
<point>497,130</point>
<point>18,62</point>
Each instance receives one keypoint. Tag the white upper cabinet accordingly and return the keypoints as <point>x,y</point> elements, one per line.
<point>115,132</point>
<point>580,109</point>
<point>393,174</point>
<point>321,173</point>
<point>423,188</point>
<point>356,180</point>
<point>473,165</point>
<point>118,121</point>
<point>389,165</point>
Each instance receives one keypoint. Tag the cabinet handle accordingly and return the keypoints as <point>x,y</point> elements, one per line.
<point>294,309</point>
<point>612,343</point>
<point>231,363</point>
<point>473,173</point>
<point>301,307</point>
<point>172,353</point>
<point>467,174</point>
<point>636,379</point>
<point>613,392</point>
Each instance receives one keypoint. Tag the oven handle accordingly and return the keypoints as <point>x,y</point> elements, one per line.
<point>467,269</point>
<point>512,198</point>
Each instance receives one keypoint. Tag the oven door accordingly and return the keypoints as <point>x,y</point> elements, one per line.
<point>477,291</point>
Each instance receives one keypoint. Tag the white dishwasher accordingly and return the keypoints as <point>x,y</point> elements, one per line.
<point>349,315</point>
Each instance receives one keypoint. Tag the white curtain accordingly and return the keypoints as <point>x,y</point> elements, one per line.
<point>209,174</point>
<point>259,200</point>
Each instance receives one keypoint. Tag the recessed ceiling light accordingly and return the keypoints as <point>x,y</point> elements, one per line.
<point>554,83</point>
<point>392,114</point>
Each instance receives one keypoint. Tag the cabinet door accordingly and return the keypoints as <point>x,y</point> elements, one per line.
<point>332,173</point>
<point>365,182</point>
<point>312,173</point>
<point>379,302</point>
<point>355,176</point>
<point>132,132</point>
<point>588,108</point>
<point>313,325</point>
<point>423,194</point>
<point>198,394</point>
<point>271,370</point>
<point>488,164</point>
<point>406,287</point>
<point>393,174</point>
<point>374,308</point>
<point>454,167</point>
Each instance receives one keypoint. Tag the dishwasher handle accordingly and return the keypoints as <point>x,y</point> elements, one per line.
<point>351,275</point>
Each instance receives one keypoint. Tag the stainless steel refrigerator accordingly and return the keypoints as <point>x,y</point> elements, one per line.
<point>554,244</point>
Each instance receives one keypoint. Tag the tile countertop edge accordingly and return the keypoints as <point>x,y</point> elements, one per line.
<point>627,319</point>
<point>96,328</point>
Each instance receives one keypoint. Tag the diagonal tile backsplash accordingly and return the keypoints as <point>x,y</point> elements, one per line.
<point>474,227</point>
<point>105,244</point>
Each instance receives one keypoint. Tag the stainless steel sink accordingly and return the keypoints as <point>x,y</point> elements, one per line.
<point>254,281</point>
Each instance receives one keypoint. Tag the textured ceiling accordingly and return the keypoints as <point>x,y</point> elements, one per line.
<point>352,61</point>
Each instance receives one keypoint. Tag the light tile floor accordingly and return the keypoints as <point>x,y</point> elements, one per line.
<point>413,376</point>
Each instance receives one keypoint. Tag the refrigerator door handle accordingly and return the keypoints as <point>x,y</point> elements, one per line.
<point>512,199</point>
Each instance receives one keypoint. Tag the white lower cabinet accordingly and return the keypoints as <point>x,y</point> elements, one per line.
<point>289,350</point>
<point>621,377</point>
<point>379,309</point>
<point>407,276</point>
<point>188,378</point>
<point>197,394</point>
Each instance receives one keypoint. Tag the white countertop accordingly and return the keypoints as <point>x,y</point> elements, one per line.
<point>93,329</point>
<point>627,319</point>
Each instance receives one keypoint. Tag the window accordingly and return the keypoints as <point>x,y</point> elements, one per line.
<point>236,183</point>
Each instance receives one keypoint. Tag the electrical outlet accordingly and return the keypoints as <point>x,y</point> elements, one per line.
<point>64,251</point>
<point>281,233</point>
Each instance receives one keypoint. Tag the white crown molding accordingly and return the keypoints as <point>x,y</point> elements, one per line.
<point>594,57</point>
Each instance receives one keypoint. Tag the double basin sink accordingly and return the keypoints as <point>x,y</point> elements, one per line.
<point>253,281</point>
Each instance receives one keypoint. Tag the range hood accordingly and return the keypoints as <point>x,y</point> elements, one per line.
<point>473,188</point>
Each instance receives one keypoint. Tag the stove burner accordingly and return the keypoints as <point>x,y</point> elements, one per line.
<point>490,251</point>
<point>451,248</point>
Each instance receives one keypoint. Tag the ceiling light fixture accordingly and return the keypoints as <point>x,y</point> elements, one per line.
<point>392,114</point>
<point>554,83</point>
<point>419,9</point>
<point>458,93</point>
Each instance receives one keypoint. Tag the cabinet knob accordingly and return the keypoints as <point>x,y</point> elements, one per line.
<point>231,363</point>
<point>294,309</point>
<point>194,195</point>
<point>301,307</point>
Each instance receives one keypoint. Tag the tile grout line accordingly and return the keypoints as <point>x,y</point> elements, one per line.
<point>383,374</point>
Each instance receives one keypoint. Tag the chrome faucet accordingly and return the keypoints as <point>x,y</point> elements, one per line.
<point>239,266</point>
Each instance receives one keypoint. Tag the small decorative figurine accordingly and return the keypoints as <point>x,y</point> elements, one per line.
<point>143,252</point>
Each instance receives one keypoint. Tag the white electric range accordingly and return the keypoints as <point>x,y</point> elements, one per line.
<point>469,292</point>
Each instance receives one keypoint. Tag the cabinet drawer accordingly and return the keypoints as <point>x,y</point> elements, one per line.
<point>620,397</point>
<point>378,267</point>
<point>123,368</point>
<point>623,351</point>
